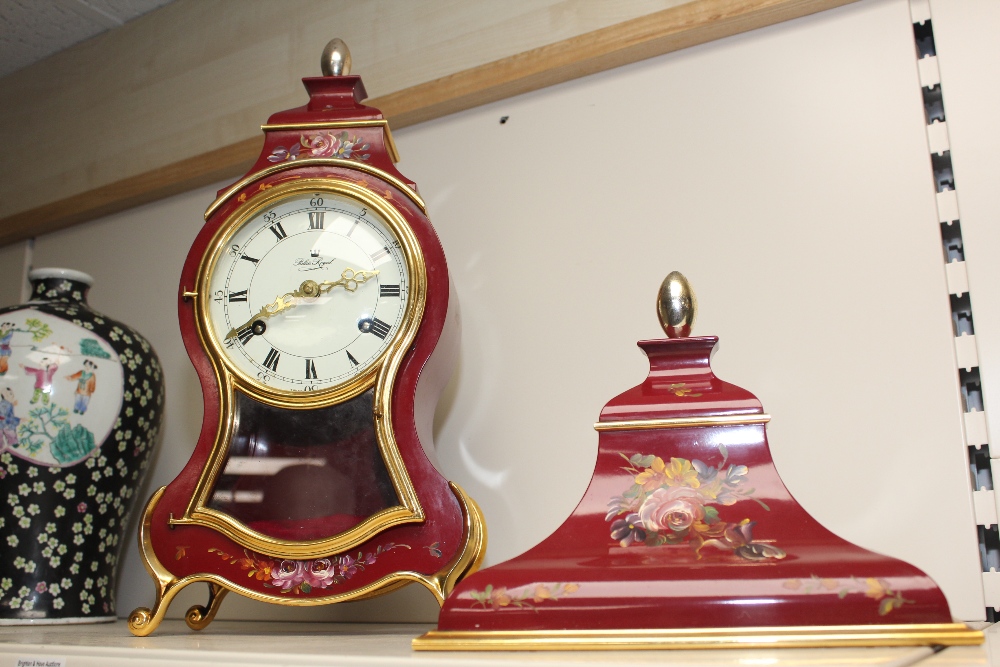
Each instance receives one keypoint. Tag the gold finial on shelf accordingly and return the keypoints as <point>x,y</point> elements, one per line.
<point>676,305</point>
<point>336,60</point>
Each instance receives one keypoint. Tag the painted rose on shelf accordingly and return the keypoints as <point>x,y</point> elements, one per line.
<point>673,508</point>
<point>677,502</point>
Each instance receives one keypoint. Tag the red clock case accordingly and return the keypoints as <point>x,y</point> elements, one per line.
<point>687,538</point>
<point>448,543</point>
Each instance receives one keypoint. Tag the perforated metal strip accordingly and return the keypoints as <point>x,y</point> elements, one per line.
<point>970,381</point>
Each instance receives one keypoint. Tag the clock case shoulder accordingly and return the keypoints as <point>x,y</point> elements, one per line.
<point>333,100</point>
<point>309,142</point>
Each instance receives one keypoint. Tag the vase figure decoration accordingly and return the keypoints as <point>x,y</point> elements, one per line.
<point>80,402</point>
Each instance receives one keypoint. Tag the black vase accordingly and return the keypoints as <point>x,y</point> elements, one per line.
<point>81,397</point>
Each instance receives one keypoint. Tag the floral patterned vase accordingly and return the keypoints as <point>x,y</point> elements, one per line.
<point>80,402</point>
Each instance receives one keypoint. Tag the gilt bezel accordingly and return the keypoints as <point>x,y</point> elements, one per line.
<point>346,389</point>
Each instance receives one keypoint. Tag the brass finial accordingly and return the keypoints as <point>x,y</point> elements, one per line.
<point>676,305</point>
<point>336,60</point>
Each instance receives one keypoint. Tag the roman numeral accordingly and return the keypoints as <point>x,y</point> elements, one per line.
<point>350,358</point>
<point>353,227</point>
<point>381,254</point>
<point>245,335</point>
<point>237,296</point>
<point>278,230</point>
<point>249,258</point>
<point>316,219</point>
<point>374,326</point>
<point>310,369</point>
<point>271,360</point>
<point>380,328</point>
<point>385,290</point>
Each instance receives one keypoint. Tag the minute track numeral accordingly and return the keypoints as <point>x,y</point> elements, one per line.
<point>388,290</point>
<point>316,219</point>
<point>310,369</point>
<point>271,360</point>
<point>237,296</point>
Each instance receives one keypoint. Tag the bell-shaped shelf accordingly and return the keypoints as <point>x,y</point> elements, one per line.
<point>687,538</point>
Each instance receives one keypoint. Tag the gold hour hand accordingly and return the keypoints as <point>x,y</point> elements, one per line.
<point>280,304</point>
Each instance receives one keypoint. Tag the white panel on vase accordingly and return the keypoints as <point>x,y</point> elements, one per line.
<point>46,386</point>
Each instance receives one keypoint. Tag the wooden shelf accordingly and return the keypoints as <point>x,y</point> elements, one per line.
<point>229,643</point>
<point>124,155</point>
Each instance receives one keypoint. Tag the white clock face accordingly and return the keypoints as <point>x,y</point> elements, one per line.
<point>308,292</point>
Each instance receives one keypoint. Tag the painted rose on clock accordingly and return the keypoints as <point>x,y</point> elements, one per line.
<point>308,290</point>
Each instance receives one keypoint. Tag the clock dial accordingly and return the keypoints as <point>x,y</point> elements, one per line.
<point>307,291</point>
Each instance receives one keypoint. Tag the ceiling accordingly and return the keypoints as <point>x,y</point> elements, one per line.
<point>33,29</point>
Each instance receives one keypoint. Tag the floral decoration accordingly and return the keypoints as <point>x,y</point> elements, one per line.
<point>523,597</point>
<point>302,576</point>
<point>39,330</point>
<point>267,186</point>
<point>322,144</point>
<point>676,502</point>
<point>876,589</point>
<point>680,389</point>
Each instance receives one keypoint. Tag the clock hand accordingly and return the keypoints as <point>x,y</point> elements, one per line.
<point>282,303</point>
<point>349,280</point>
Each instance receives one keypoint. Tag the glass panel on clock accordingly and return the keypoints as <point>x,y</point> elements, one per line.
<point>303,474</point>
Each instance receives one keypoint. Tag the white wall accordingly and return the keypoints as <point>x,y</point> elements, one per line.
<point>784,171</point>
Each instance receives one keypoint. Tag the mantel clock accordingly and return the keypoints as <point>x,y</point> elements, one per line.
<point>311,302</point>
